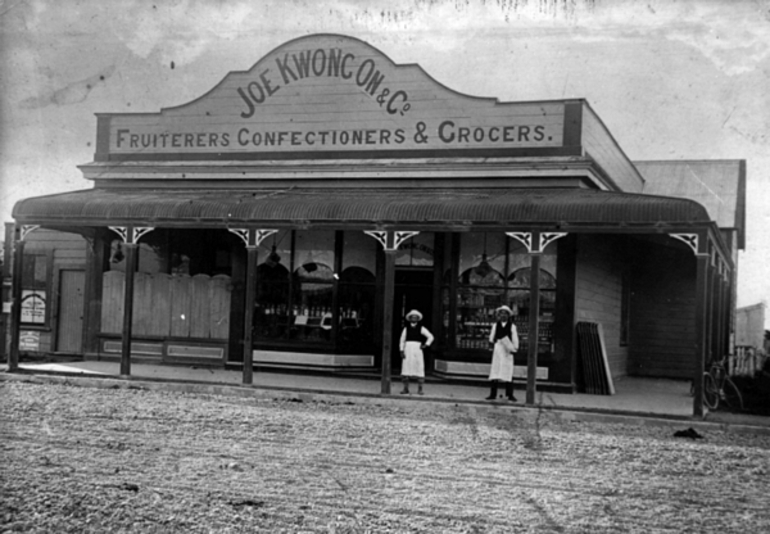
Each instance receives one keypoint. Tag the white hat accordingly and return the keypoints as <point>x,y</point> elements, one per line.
<point>505,309</point>
<point>414,312</point>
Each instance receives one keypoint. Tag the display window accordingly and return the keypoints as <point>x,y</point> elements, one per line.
<point>494,270</point>
<point>300,296</point>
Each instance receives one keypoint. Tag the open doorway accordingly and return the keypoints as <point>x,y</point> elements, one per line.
<point>413,290</point>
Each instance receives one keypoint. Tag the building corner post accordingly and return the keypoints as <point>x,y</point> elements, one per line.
<point>701,345</point>
<point>18,264</point>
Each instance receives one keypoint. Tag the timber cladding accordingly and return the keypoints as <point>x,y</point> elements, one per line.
<point>662,314</point>
<point>598,285</point>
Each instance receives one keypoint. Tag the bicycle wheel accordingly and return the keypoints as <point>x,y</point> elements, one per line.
<point>732,395</point>
<point>710,392</point>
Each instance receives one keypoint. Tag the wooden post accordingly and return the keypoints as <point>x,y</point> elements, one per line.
<point>18,264</point>
<point>701,314</point>
<point>248,316</point>
<point>96,264</point>
<point>128,309</point>
<point>387,320</point>
<point>534,325</point>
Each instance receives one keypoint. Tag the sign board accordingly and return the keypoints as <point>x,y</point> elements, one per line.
<point>29,340</point>
<point>330,95</point>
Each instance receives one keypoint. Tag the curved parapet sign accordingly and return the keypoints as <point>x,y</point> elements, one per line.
<point>330,96</point>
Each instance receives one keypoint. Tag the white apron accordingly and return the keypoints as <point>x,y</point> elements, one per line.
<point>502,355</point>
<point>502,363</point>
<point>413,363</point>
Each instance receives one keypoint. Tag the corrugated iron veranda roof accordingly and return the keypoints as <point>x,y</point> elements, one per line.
<point>366,206</point>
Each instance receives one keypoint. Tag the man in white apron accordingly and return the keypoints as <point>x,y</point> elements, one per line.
<point>414,338</point>
<point>505,342</point>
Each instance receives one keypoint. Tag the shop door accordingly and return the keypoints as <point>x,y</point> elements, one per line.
<point>414,290</point>
<point>70,313</point>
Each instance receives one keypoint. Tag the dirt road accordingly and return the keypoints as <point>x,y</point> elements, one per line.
<point>92,460</point>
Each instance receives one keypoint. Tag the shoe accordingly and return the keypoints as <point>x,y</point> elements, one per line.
<point>419,392</point>
<point>512,399</point>
<point>404,391</point>
<point>491,397</point>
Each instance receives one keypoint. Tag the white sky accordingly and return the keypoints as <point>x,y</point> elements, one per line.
<point>670,79</point>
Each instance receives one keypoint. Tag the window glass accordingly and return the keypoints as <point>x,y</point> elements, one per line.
<point>34,298</point>
<point>417,251</point>
<point>359,250</point>
<point>495,270</point>
<point>356,297</point>
<point>272,315</point>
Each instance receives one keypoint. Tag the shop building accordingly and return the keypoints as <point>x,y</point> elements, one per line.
<point>295,212</point>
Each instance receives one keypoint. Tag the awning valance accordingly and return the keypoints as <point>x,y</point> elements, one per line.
<point>514,206</point>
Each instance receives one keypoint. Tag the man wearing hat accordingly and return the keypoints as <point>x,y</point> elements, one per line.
<point>505,342</point>
<point>414,338</point>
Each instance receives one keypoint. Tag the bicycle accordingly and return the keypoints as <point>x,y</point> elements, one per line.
<point>719,387</point>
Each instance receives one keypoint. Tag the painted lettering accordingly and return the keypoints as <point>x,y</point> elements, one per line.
<point>303,63</point>
<point>250,111</point>
<point>335,59</point>
<point>121,133</point>
<point>266,82</point>
<point>319,66</point>
<point>524,133</point>
<point>284,69</point>
<point>374,82</point>
<point>539,132</point>
<point>243,136</point>
<point>368,67</point>
<point>346,74</point>
<point>391,107</point>
<point>442,133</point>
<point>260,96</point>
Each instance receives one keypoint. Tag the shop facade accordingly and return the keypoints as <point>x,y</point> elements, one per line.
<point>293,214</point>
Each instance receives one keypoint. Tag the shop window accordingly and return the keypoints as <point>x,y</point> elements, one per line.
<point>35,276</point>
<point>271,315</point>
<point>312,302</point>
<point>520,282</point>
<point>356,298</point>
<point>494,270</point>
<point>295,286</point>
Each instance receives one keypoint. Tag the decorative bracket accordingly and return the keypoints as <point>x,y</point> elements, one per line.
<point>543,239</point>
<point>26,229</point>
<point>131,234</point>
<point>251,237</point>
<point>691,240</point>
<point>391,240</point>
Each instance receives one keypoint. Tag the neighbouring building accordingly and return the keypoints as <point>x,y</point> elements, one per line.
<point>293,214</point>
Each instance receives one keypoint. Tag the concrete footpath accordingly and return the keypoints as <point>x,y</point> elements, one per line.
<point>636,401</point>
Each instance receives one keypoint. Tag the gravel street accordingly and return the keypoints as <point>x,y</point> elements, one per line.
<point>127,460</point>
